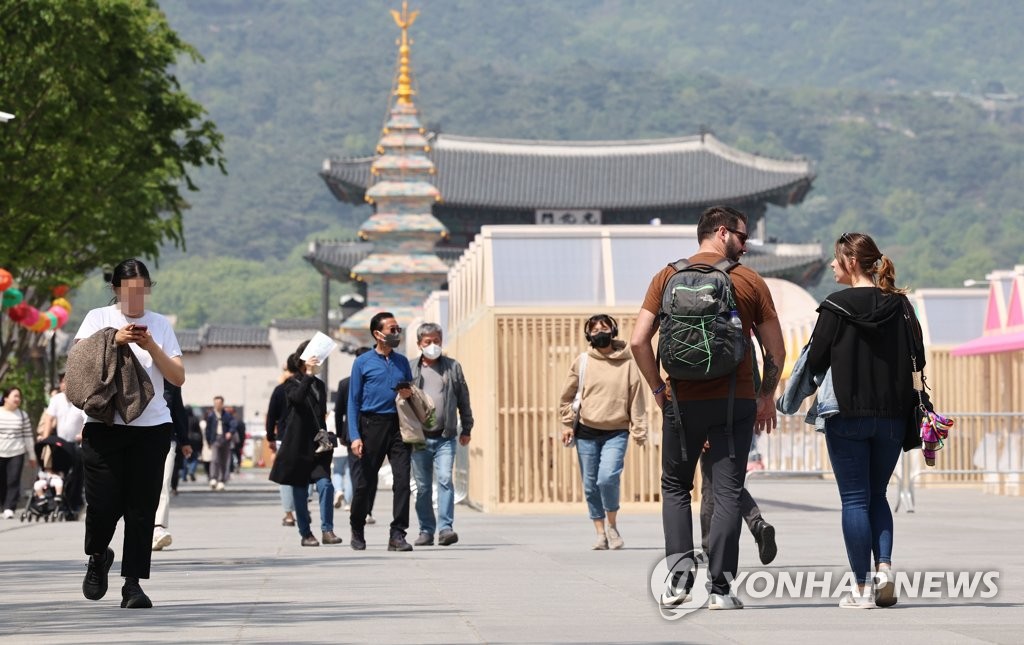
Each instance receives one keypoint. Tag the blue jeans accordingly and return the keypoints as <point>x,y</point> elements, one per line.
<point>288,499</point>
<point>437,458</point>
<point>601,465</point>
<point>341,478</point>
<point>325,490</point>
<point>864,452</point>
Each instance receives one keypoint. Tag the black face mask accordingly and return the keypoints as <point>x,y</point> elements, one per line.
<point>601,339</point>
<point>392,340</point>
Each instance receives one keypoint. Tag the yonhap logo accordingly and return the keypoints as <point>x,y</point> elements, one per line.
<point>672,602</point>
<point>820,584</point>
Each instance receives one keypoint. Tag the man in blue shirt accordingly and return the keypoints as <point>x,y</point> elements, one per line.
<point>373,428</point>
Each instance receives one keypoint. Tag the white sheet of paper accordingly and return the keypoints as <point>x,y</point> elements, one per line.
<point>320,345</point>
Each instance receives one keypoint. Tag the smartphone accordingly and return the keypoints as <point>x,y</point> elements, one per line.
<point>142,328</point>
<point>403,385</point>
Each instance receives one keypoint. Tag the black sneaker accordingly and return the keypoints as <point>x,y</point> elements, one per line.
<point>357,541</point>
<point>94,586</point>
<point>133,597</point>
<point>447,537</point>
<point>398,543</point>
<point>764,535</point>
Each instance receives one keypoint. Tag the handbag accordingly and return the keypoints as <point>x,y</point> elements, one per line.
<point>577,401</point>
<point>926,429</point>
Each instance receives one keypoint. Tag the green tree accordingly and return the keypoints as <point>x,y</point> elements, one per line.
<point>92,168</point>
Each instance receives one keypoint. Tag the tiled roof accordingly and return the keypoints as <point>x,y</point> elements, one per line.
<point>684,172</point>
<point>195,340</point>
<point>188,340</point>
<point>799,263</point>
<point>336,259</point>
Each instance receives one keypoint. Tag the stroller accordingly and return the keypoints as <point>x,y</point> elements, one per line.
<point>56,459</point>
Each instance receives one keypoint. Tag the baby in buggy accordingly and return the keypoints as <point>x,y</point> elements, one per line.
<point>55,457</point>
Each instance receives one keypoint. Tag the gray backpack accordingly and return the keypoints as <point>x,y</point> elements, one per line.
<point>701,334</point>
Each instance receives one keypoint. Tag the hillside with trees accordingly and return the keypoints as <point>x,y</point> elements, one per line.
<point>885,98</point>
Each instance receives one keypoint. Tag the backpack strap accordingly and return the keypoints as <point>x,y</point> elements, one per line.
<point>673,386</point>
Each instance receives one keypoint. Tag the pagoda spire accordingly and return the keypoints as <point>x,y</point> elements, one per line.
<point>403,86</point>
<point>403,268</point>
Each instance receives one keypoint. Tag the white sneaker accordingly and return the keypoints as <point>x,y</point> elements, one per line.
<point>213,484</point>
<point>615,540</point>
<point>161,538</point>
<point>724,601</point>
<point>672,596</point>
<point>339,497</point>
<point>220,485</point>
<point>855,600</point>
<point>8,514</point>
<point>885,589</point>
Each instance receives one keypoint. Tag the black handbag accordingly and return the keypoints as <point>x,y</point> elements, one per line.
<point>926,429</point>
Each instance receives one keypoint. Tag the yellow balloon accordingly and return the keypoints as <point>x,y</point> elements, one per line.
<point>62,302</point>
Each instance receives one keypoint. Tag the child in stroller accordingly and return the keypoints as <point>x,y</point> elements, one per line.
<point>55,457</point>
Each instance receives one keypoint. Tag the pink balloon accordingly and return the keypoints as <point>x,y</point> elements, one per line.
<point>30,318</point>
<point>61,313</point>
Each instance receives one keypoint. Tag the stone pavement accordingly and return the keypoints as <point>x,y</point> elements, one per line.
<point>235,575</point>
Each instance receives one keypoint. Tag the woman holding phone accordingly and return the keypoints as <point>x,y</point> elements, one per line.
<point>124,462</point>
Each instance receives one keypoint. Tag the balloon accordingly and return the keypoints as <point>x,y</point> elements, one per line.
<point>12,297</point>
<point>51,320</point>
<point>61,313</point>
<point>62,302</point>
<point>60,290</point>
<point>6,279</point>
<point>42,324</point>
<point>17,313</point>
<point>31,316</point>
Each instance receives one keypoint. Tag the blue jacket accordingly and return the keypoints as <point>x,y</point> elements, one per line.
<point>211,426</point>
<point>371,387</point>
<point>803,383</point>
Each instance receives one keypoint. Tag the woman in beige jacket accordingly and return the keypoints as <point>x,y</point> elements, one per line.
<point>611,407</point>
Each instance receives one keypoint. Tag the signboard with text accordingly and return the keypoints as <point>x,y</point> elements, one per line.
<point>585,217</point>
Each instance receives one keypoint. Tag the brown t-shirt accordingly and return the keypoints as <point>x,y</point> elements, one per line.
<point>756,306</point>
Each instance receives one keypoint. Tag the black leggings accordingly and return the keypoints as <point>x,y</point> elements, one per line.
<point>124,472</point>
<point>10,480</point>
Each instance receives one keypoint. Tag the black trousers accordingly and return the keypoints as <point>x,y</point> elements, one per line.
<point>355,469</point>
<point>10,480</point>
<point>381,439</point>
<point>748,507</point>
<point>124,472</point>
<point>705,421</point>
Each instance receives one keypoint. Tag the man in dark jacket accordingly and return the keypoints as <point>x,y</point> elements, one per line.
<point>355,465</point>
<point>220,432</point>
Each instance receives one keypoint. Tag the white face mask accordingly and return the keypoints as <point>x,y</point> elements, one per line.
<point>432,351</point>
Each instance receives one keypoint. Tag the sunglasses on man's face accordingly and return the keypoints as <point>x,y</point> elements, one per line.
<point>739,234</point>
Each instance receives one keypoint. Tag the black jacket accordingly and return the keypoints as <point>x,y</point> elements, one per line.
<point>861,334</point>
<point>341,413</point>
<point>296,464</point>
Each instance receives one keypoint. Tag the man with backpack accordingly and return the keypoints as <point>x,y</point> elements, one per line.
<point>705,308</point>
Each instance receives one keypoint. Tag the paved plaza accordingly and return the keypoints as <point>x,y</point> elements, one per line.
<point>235,575</point>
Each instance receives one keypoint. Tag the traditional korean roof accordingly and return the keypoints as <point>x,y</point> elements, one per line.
<point>799,263</point>
<point>195,340</point>
<point>685,171</point>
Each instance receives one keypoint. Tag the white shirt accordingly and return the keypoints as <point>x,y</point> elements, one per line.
<point>156,413</point>
<point>69,418</point>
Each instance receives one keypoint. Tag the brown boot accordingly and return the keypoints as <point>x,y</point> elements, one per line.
<point>330,538</point>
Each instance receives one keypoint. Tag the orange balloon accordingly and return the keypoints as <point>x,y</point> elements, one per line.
<point>6,279</point>
<point>41,325</point>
